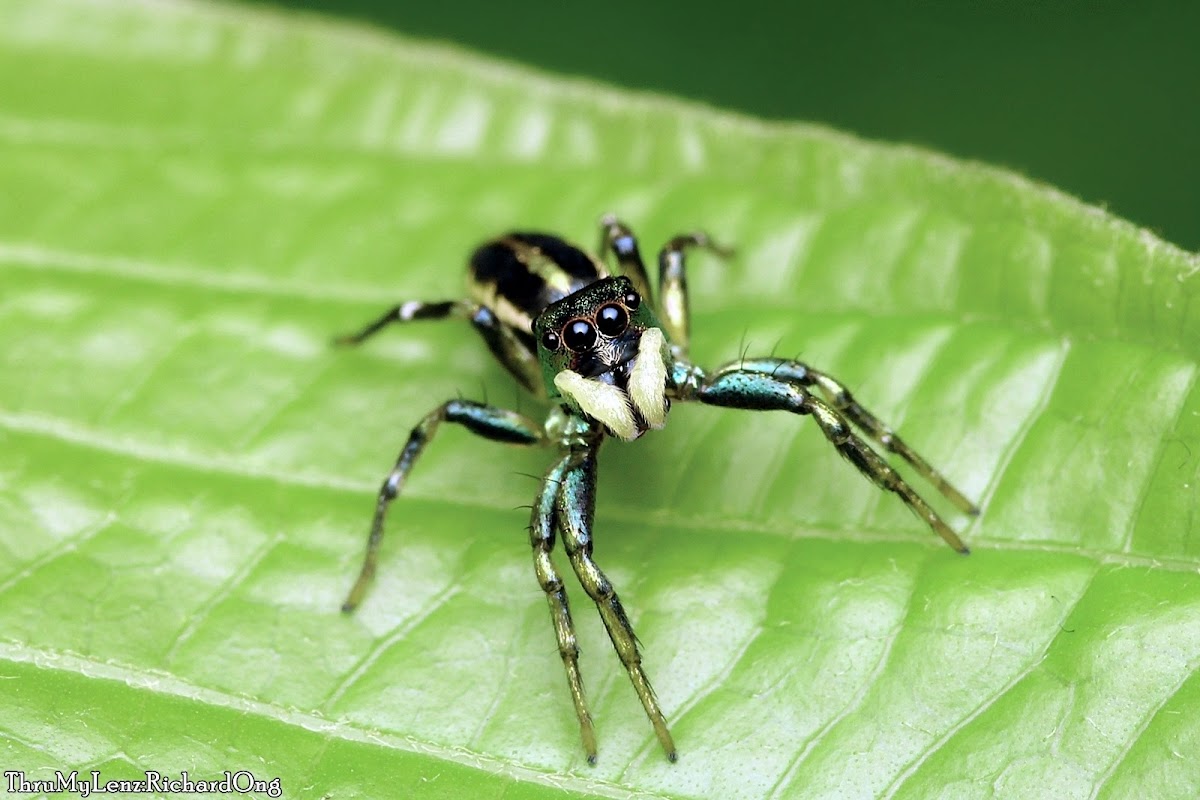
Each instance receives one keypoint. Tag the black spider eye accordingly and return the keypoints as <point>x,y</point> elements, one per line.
<point>612,320</point>
<point>632,300</point>
<point>579,335</point>
<point>550,340</point>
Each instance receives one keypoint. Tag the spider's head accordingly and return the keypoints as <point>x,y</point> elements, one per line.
<point>603,351</point>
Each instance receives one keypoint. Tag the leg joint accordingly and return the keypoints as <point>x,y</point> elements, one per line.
<point>390,487</point>
<point>568,649</point>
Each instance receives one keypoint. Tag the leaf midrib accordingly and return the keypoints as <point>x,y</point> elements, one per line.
<point>166,684</point>
<point>74,436</point>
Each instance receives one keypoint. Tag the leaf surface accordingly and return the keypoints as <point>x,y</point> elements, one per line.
<point>195,198</point>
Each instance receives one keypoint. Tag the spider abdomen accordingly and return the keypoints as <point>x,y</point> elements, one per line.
<point>519,274</point>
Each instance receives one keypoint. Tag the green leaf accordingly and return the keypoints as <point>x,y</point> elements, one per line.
<point>196,197</point>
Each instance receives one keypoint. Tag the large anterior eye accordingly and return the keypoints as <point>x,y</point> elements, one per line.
<point>579,335</point>
<point>612,320</point>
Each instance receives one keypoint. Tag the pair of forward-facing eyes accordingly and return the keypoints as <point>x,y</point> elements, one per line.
<point>580,334</point>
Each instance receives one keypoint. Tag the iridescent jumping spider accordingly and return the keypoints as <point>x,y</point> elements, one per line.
<point>612,359</point>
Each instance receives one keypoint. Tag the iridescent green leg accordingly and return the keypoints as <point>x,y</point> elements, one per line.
<point>672,285</point>
<point>490,422</point>
<point>518,358</point>
<point>838,396</point>
<point>617,237</point>
<point>735,387</point>
<point>541,535</point>
<point>574,510</point>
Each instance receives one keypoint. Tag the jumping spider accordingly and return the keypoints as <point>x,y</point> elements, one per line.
<point>613,360</point>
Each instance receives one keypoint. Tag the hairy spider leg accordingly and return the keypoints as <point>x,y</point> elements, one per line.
<point>672,286</point>
<point>736,387</point>
<point>617,237</point>
<point>674,307</point>
<point>490,422</point>
<point>574,509</point>
<point>516,357</point>
<point>838,396</point>
<point>542,528</point>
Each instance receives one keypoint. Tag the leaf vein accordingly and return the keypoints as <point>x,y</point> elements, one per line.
<point>1143,726</point>
<point>158,683</point>
<point>77,436</point>
<point>359,670</point>
<point>1161,447</point>
<point>911,768</point>
<point>788,776</point>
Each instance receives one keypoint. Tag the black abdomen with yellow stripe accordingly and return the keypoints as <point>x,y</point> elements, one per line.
<point>519,274</point>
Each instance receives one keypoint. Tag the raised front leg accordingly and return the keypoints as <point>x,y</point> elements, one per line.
<point>748,388</point>
<point>574,508</point>
<point>498,424</point>
<point>672,285</point>
<point>617,237</point>
<point>515,355</point>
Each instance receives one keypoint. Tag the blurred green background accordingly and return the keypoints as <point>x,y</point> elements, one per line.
<point>1101,99</point>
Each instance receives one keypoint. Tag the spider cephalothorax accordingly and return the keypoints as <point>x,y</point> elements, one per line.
<point>602,350</point>
<point>614,359</point>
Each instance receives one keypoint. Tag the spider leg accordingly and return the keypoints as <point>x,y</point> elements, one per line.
<point>541,536</point>
<point>747,388</point>
<point>672,285</point>
<point>617,237</point>
<point>404,312</point>
<point>838,396</point>
<point>574,510</point>
<point>498,424</point>
<point>516,356</point>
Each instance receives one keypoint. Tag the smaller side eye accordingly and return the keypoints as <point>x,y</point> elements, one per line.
<point>612,320</point>
<point>579,335</point>
<point>550,340</point>
<point>632,300</point>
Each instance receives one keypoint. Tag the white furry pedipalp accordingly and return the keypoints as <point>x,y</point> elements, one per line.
<point>601,401</point>
<point>648,381</point>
